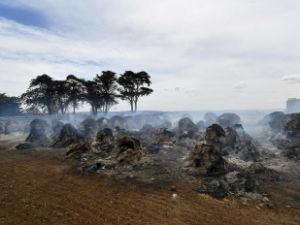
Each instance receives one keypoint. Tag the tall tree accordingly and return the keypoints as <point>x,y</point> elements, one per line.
<point>106,84</point>
<point>132,87</point>
<point>93,96</point>
<point>9,106</point>
<point>42,93</point>
<point>61,95</point>
<point>75,88</point>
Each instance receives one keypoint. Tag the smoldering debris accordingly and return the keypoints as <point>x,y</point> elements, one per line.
<point>2,128</point>
<point>118,121</point>
<point>205,159</point>
<point>186,127</point>
<point>228,119</point>
<point>78,151</point>
<point>39,131</point>
<point>88,128</point>
<point>104,123</point>
<point>56,127</point>
<point>157,148</point>
<point>12,127</point>
<point>240,181</point>
<point>285,134</point>
<point>68,135</point>
<point>39,135</point>
<point>210,118</point>
<point>147,129</point>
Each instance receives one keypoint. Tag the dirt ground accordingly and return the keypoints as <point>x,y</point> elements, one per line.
<point>38,188</point>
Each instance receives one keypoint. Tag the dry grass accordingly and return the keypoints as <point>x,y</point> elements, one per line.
<point>40,190</point>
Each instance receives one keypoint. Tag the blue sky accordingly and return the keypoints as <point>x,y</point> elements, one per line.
<point>23,15</point>
<point>201,54</point>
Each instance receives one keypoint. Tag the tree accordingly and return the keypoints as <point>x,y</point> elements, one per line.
<point>106,84</point>
<point>93,96</point>
<point>75,89</point>
<point>61,95</point>
<point>9,106</point>
<point>132,87</point>
<point>42,93</point>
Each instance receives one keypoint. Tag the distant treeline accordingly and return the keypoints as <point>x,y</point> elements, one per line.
<point>46,94</point>
<point>9,105</point>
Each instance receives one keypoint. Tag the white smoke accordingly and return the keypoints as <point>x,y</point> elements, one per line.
<point>291,78</point>
<point>240,86</point>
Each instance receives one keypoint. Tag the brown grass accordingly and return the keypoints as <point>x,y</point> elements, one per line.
<point>38,189</point>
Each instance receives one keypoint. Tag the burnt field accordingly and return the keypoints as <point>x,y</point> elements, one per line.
<point>150,169</point>
<point>39,188</point>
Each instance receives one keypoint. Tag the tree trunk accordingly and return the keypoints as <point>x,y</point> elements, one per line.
<point>74,107</point>
<point>131,106</point>
<point>62,109</point>
<point>93,109</point>
<point>49,109</point>
<point>106,108</point>
<point>135,106</point>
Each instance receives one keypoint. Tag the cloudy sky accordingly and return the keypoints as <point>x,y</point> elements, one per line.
<point>201,54</point>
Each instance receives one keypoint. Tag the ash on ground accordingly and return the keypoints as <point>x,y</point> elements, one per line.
<point>216,150</point>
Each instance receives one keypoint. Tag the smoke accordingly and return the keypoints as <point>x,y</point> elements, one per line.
<point>291,78</point>
<point>249,119</point>
<point>240,86</point>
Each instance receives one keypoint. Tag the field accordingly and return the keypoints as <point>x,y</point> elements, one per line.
<point>42,188</point>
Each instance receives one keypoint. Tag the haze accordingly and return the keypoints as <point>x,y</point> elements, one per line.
<point>201,55</point>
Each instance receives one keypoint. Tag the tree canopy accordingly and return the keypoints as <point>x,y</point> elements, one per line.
<point>106,84</point>
<point>75,89</point>
<point>42,93</point>
<point>132,87</point>
<point>101,93</point>
<point>9,105</point>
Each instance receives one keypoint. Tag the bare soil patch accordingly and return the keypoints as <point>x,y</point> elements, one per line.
<point>39,188</point>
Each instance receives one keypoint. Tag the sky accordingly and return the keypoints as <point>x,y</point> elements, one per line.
<point>200,54</point>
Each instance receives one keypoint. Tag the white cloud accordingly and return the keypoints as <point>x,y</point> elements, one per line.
<point>291,78</point>
<point>178,89</point>
<point>240,86</point>
<point>187,47</point>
